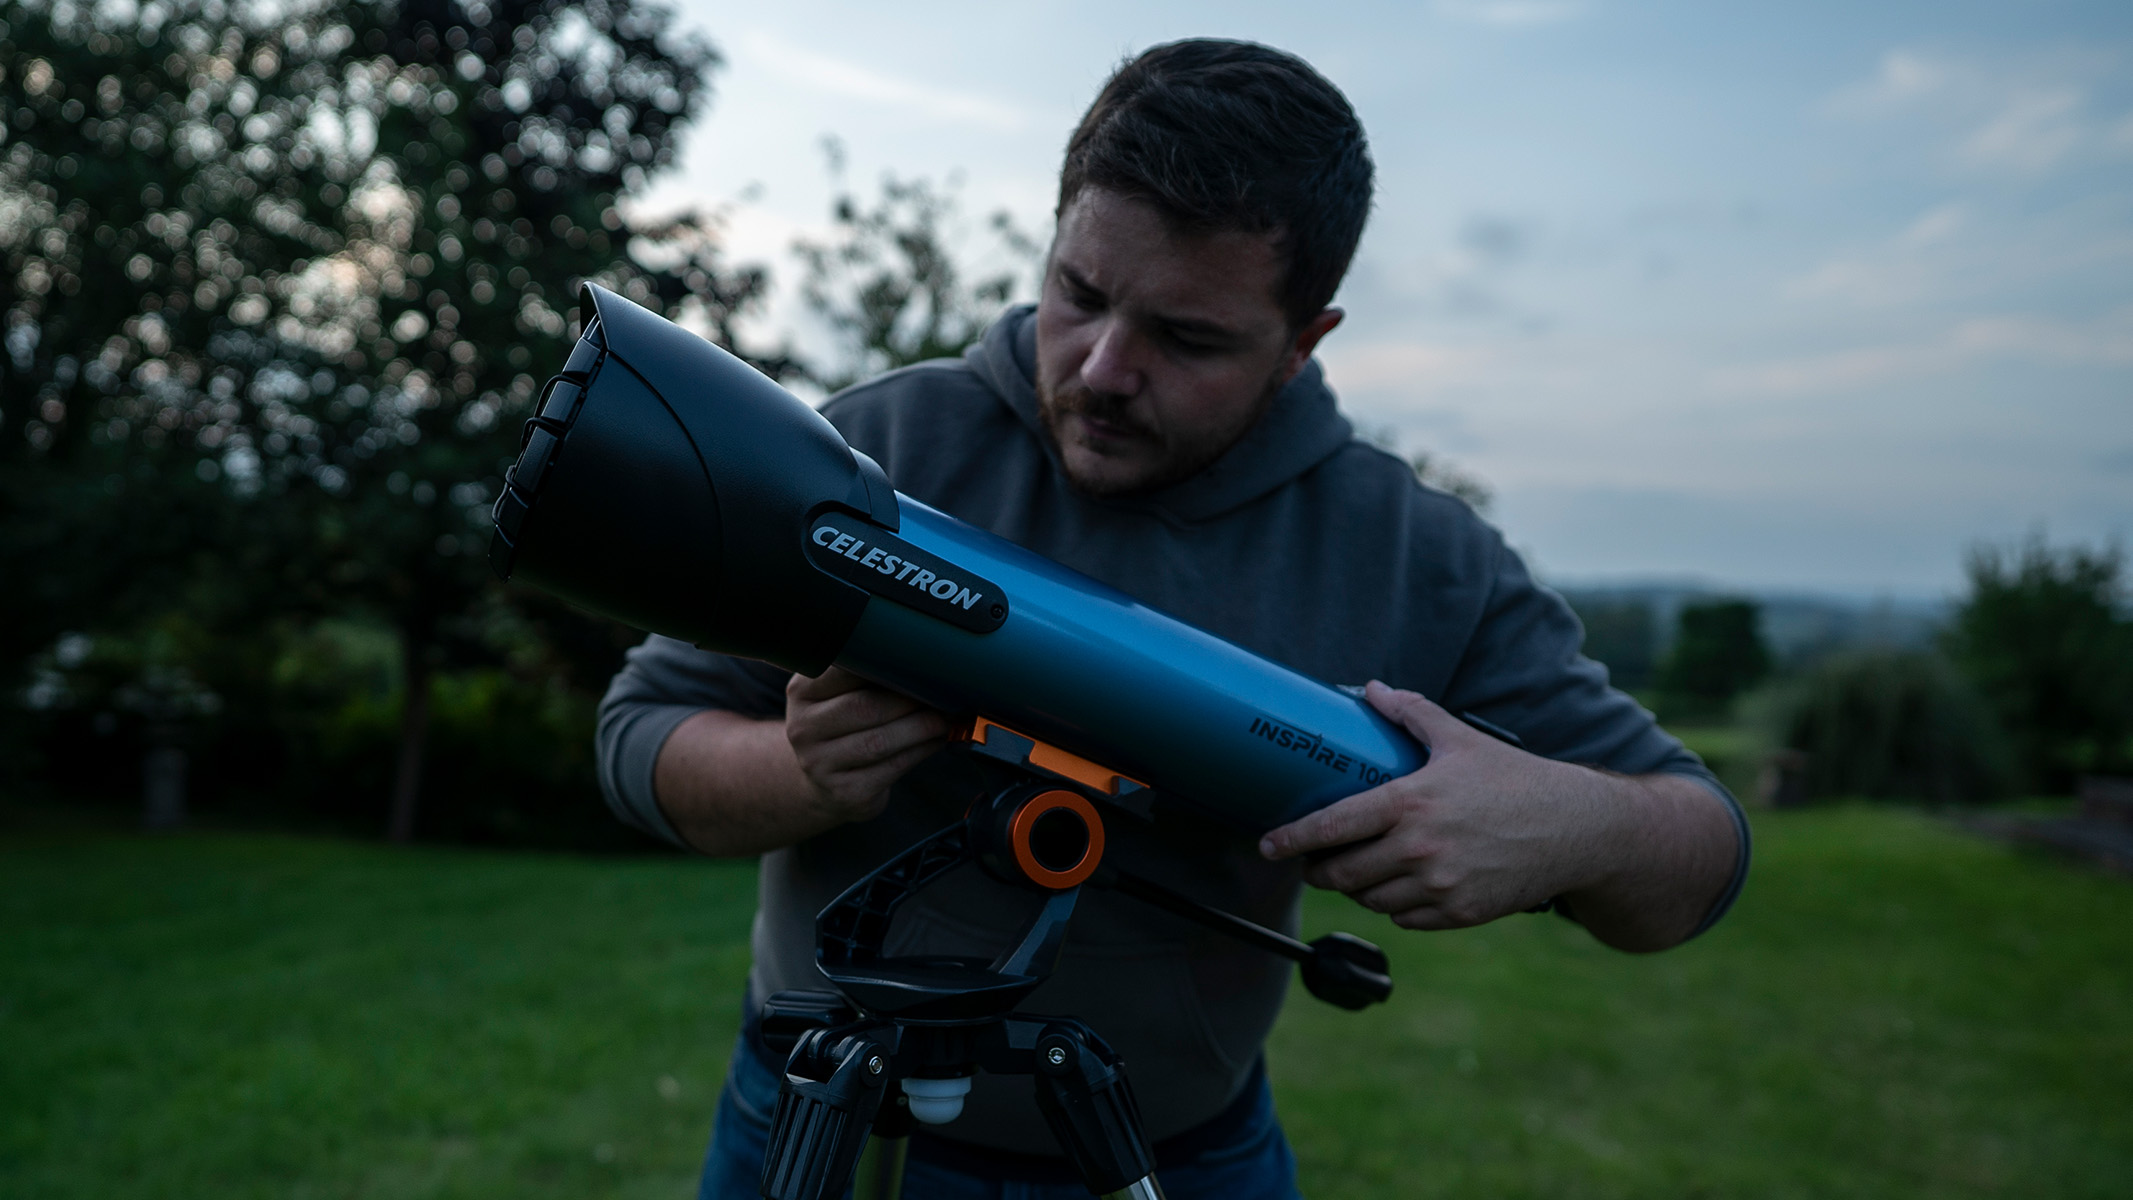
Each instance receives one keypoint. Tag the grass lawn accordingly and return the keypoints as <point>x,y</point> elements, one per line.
<point>1732,751</point>
<point>1894,1009</point>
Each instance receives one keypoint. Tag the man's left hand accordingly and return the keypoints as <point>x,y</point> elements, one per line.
<point>1486,829</point>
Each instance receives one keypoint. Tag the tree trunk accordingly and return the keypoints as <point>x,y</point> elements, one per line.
<point>414,728</point>
<point>163,778</point>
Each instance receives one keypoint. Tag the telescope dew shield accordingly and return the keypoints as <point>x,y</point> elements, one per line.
<point>690,482</point>
<point>668,485</point>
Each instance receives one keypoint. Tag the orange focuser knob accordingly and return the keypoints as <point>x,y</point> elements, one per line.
<point>1057,839</point>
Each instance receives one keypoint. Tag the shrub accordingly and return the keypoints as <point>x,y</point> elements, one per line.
<point>297,727</point>
<point>1896,725</point>
<point>1718,653</point>
<point>2043,637</point>
<point>1623,634</point>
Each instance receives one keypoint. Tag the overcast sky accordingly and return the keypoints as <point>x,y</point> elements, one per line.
<point>1801,296</point>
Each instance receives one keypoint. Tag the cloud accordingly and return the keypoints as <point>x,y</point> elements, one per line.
<point>2106,341</point>
<point>1469,278</point>
<point>1511,14</point>
<point>1970,252</point>
<point>1901,77</point>
<point>1403,366</point>
<point>1867,282</point>
<point>1902,270</point>
<point>2031,132</point>
<point>1936,224</point>
<point>857,82</point>
<point>1496,240</point>
<point>2022,116</point>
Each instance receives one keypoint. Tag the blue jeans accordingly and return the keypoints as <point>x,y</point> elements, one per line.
<point>1251,1161</point>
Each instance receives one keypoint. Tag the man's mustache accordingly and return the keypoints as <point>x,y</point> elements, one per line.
<point>1113,410</point>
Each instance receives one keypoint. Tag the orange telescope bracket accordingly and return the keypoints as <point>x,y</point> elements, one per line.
<point>998,741</point>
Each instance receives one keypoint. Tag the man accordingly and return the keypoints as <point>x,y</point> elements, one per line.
<point>1157,422</point>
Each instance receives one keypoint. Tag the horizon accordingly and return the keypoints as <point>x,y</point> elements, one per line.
<point>1686,585</point>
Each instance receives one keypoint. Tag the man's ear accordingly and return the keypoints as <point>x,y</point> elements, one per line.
<point>1307,340</point>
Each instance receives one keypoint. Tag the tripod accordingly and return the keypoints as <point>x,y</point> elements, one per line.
<point>896,1043</point>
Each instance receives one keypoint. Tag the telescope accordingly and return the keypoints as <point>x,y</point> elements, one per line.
<point>668,485</point>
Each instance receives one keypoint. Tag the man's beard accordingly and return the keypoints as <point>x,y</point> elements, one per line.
<point>1180,460</point>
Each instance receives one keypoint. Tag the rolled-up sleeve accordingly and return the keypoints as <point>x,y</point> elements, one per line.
<point>661,684</point>
<point>1524,670</point>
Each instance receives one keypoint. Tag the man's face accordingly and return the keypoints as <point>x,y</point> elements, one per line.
<point>1157,348</point>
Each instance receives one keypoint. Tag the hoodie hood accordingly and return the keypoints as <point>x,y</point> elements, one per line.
<point>1300,429</point>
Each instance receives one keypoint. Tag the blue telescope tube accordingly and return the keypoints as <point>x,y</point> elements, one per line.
<point>1091,670</point>
<point>666,484</point>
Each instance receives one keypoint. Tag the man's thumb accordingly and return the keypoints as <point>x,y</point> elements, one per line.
<point>1412,711</point>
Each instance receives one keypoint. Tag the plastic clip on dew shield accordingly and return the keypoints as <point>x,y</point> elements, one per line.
<point>670,486</point>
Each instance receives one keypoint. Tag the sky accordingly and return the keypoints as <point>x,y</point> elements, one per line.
<point>1803,297</point>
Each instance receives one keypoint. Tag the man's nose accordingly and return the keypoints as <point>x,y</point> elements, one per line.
<point>1113,365</point>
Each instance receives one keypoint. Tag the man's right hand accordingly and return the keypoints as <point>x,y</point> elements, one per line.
<point>853,739</point>
<point>735,785</point>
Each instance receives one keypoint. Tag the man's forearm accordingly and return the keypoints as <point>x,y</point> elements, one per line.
<point>732,786</point>
<point>1668,851</point>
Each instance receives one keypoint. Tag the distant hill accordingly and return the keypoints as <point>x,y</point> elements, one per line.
<point>1629,626</point>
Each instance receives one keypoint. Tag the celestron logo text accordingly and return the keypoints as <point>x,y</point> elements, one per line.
<point>903,570</point>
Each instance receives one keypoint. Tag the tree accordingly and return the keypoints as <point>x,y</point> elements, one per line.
<point>298,270</point>
<point>1432,470</point>
<point>888,284</point>
<point>1435,472</point>
<point>130,232</point>
<point>2045,637</point>
<point>1893,724</point>
<point>1718,653</point>
<point>1622,633</point>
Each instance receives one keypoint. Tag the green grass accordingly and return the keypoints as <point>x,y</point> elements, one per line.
<point>250,1016</point>
<point>1733,752</point>
<point>1894,1009</point>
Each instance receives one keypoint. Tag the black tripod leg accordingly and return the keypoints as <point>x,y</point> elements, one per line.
<point>881,1166</point>
<point>1083,1093</point>
<point>826,1108</point>
<point>881,1169</point>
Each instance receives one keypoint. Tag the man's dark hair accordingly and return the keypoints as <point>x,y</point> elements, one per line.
<point>1223,135</point>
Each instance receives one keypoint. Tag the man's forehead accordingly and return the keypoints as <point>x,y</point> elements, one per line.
<point>1127,249</point>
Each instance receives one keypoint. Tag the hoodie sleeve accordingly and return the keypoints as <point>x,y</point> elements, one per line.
<point>661,684</point>
<point>1524,670</point>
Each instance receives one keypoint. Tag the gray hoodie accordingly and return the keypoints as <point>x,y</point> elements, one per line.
<point>1300,543</point>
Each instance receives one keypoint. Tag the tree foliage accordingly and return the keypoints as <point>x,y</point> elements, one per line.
<point>280,281</point>
<point>1718,653</point>
<point>1436,472</point>
<point>1432,470</point>
<point>889,283</point>
<point>2045,635</point>
<point>1622,633</point>
<point>1890,724</point>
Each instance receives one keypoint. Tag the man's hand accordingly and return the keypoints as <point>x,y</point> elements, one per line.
<point>1486,829</point>
<point>853,740</point>
<point>735,785</point>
